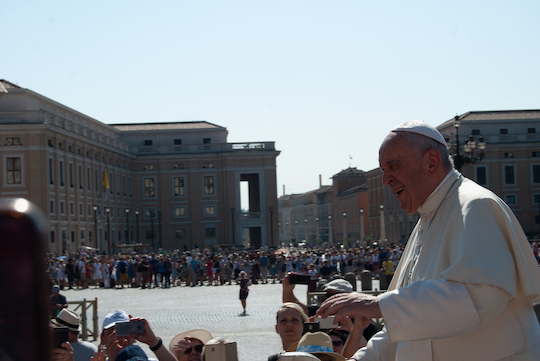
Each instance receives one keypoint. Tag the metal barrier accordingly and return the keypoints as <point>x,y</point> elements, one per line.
<point>82,310</point>
<point>312,298</point>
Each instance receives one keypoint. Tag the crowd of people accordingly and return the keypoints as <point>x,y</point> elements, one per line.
<point>214,268</point>
<point>463,289</point>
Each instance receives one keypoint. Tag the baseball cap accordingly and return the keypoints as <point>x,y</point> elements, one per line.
<point>339,285</point>
<point>115,316</point>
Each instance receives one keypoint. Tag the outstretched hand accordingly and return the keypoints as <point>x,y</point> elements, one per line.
<point>352,305</point>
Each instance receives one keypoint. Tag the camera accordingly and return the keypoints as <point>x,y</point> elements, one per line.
<point>129,328</point>
<point>299,279</point>
<point>327,322</point>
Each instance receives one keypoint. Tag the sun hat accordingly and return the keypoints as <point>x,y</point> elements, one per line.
<point>422,128</point>
<point>115,316</point>
<point>318,343</point>
<point>339,285</point>
<point>198,334</point>
<point>69,319</point>
<point>297,356</point>
<point>131,353</point>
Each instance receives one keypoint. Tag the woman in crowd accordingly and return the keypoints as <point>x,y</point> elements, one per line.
<point>290,320</point>
<point>98,275</point>
<point>187,346</point>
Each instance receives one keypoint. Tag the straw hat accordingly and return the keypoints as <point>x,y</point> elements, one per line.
<point>201,335</point>
<point>69,319</point>
<point>318,343</point>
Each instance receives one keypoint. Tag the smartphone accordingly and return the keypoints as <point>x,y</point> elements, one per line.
<point>129,328</point>
<point>23,335</point>
<point>60,335</point>
<point>311,327</point>
<point>327,322</point>
<point>299,279</point>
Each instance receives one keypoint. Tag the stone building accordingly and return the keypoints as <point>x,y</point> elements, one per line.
<point>510,164</point>
<point>168,185</point>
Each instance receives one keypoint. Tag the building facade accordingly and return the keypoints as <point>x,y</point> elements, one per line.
<point>162,185</point>
<point>510,166</point>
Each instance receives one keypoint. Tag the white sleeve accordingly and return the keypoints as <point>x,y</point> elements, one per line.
<point>438,308</point>
<point>379,348</point>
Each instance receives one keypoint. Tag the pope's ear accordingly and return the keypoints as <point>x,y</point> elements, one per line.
<point>433,161</point>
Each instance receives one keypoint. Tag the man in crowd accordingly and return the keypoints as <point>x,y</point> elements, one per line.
<point>57,301</point>
<point>82,350</point>
<point>465,282</point>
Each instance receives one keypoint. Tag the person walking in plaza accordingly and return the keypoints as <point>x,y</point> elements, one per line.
<point>244,289</point>
<point>467,279</point>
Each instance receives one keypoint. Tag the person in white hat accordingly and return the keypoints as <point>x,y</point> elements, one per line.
<point>113,344</point>
<point>449,299</point>
<point>82,350</point>
<point>188,346</point>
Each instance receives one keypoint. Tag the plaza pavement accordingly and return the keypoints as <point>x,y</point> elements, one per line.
<point>213,308</point>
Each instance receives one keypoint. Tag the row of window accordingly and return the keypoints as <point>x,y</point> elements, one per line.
<point>89,154</point>
<point>178,212</point>
<point>178,166</point>
<point>209,232</point>
<point>149,142</point>
<point>503,131</point>
<point>509,175</point>
<point>179,187</point>
<point>100,178</point>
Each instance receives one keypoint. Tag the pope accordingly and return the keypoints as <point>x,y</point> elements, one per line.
<point>467,280</point>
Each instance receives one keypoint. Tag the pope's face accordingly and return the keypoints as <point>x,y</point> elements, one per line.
<point>404,172</point>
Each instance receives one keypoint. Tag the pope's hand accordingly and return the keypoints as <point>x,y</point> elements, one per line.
<point>353,305</point>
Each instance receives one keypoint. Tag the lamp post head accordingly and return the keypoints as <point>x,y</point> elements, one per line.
<point>126,210</point>
<point>361,210</point>
<point>137,212</point>
<point>344,214</point>
<point>95,208</point>
<point>381,206</point>
<point>457,122</point>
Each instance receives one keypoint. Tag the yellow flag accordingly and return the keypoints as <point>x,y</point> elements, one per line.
<point>105,180</point>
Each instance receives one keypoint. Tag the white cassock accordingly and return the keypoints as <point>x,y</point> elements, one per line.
<point>464,287</point>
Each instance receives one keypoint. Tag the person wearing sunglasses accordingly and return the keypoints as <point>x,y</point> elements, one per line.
<point>188,346</point>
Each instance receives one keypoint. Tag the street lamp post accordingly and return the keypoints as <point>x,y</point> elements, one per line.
<point>361,224</point>
<point>137,220</point>
<point>108,211</point>
<point>344,226</point>
<point>232,225</point>
<point>316,229</point>
<point>151,212</point>
<point>271,226</point>
<point>95,226</point>
<point>306,235</point>
<point>159,229</point>
<point>383,231</point>
<point>127,230</point>
<point>459,159</point>
<point>330,235</point>
<point>296,230</point>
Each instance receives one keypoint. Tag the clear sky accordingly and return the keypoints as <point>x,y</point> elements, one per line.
<point>325,80</point>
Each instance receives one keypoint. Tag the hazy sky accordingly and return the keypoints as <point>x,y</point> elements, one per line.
<point>325,80</point>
